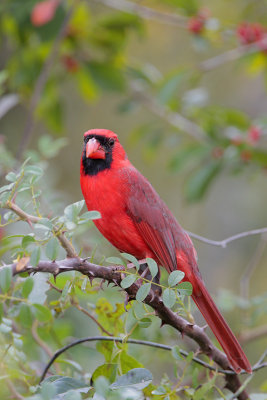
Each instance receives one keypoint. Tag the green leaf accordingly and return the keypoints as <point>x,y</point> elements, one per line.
<point>5,278</point>
<point>89,216</point>
<point>49,147</point>
<point>132,259</point>
<point>176,353</point>
<point>52,248</point>
<point>169,298</point>
<point>137,378</point>
<point>11,177</point>
<point>72,211</point>
<point>144,322</point>
<point>27,287</point>
<point>33,170</point>
<point>108,370</point>
<point>199,182</point>
<point>185,289</point>
<point>143,292</point>
<point>28,239</point>
<point>170,85</point>
<point>107,76</point>
<point>159,391</point>
<point>153,267</point>
<point>38,294</point>
<point>114,260</point>
<point>175,277</point>
<point>6,187</point>
<point>128,281</point>
<point>42,313</point>
<point>35,256</point>
<point>25,316</point>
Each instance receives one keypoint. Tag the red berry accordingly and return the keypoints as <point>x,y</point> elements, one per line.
<point>196,25</point>
<point>43,12</point>
<point>70,63</point>
<point>254,134</point>
<point>250,33</point>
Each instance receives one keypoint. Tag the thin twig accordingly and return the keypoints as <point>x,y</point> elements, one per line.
<point>65,243</point>
<point>41,82</point>
<point>84,311</point>
<point>14,391</point>
<point>146,12</point>
<point>223,243</point>
<point>119,340</point>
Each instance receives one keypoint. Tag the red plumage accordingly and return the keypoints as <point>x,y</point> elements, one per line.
<point>135,220</point>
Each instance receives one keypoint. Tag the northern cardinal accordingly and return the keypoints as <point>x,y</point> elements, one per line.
<point>135,220</point>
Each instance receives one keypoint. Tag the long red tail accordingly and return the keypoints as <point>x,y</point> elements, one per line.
<point>220,328</point>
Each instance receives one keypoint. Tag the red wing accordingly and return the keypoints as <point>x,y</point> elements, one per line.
<point>154,221</point>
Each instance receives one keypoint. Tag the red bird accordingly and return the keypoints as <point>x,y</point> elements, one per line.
<point>135,220</point>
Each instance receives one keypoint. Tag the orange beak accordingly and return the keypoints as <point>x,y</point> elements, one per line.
<point>94,149</point>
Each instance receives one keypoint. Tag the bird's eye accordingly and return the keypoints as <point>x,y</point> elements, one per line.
<point>111,142</point>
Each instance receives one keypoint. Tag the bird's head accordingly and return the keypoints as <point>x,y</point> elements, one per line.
<point>100,151</point>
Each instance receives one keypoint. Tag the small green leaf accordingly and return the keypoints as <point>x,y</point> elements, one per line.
<point>153,267</point>
<point>27,287</point>
<point>42,313</point>
<point>34,170</point>
<point>176,353</point>
<point>143,292</point>
<point>144,322</point>
<point>72,211</point>
<point>169,298</point>
<point>114,260</point>
<point>128,281</point>
<point>52,248</point>
<point>137,378</point>
<point>199,182</point>
<point>11,177</point>
<point>159,391</point>
<point>28,239</point>
<point>35,256</point>
<point>5,278</point>
<point>89,216</point>
<point>185,289</point>
<point>132,259</point>
<point>175,277</point>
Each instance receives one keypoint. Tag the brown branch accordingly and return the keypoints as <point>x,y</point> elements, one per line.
<point>146,12</point>
<point>41,82</point>
<point>114,274</point>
